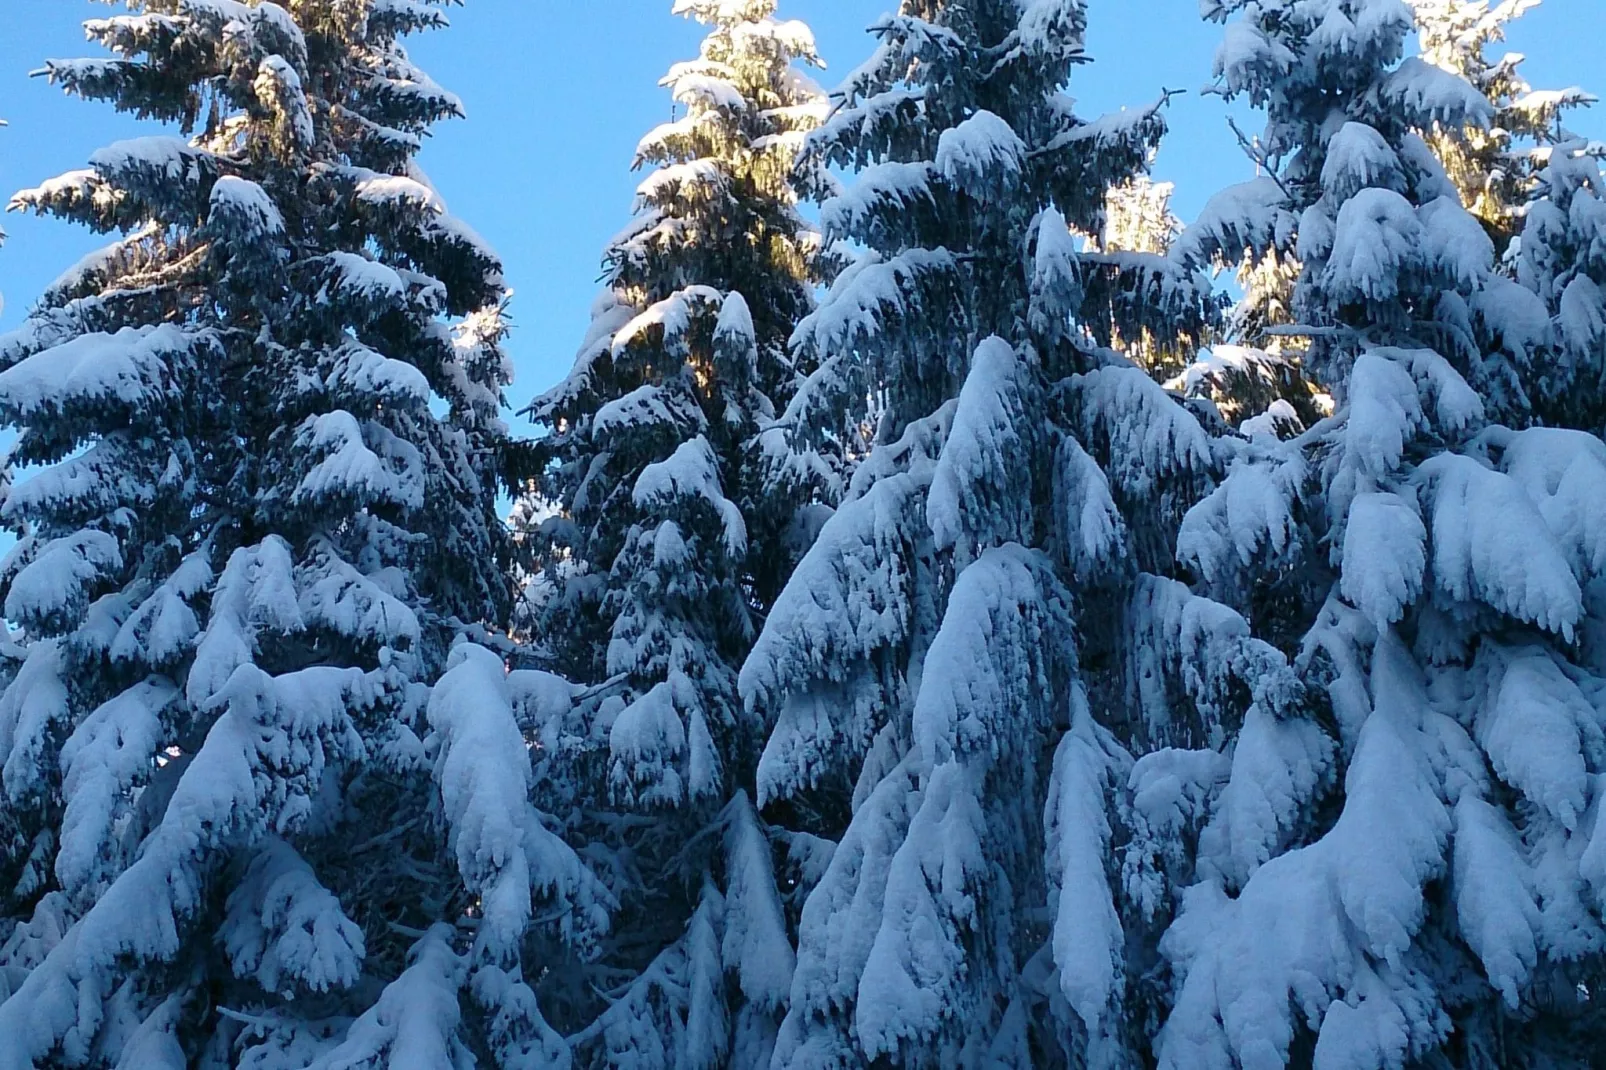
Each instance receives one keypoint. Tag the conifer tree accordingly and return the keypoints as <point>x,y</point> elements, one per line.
<point>932,669</point>
<point>1559,258</point>
<point>261,431</point>
<point>1493,166</point>
<point>1138,219</point>
<point>1400,868</point>
<point>671,532</point>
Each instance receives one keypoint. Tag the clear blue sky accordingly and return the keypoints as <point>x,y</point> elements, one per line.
<point>558,92</point>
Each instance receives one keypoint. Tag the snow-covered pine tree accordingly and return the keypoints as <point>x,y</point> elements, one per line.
<point>932,669</point>
<point>1493,165</point>
<point>1255,376</point>
<point>1406,872</point>
<point>1562,258</point>
<point>1138,218</point>
<point>669,537</point>
<point>259,433</point>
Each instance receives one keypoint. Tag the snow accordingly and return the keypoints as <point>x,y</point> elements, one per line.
<point>756,944</point>
<point>1093,529</point>
<point>878,199</point>
<point>1456,407</point>
<point>155,1043</point>
<point>1494,903</point>
<point>95,264</point>
<point>1358,158</point>
<point>980,494</point>
<point>1426,96</point>
<point>483,771</point>
<point>866,295</point>
<point>164,626</point>
<point>365,373</point>
<point>364,462</point>
<point>1168,794</point>
<point>1253,216</point>
<point>1384,557</point>
<point>1150,435</point>
<point>1564,474</point>
<point>1249,514</point>
<point>734,328</point>
<point>383,190</point>
<point>841,916</point>
<point>692,472</point>
<point>255,593</point>
<point>54,587</point>
<point>1056,278</point>
<point>278,86</point>
<point>1052,28</point>
<point>1247,56</point>
<point>982,155</point>
<point>414,1024</point>
<point>985,682</point>
<point>695,181</point>
<point>1455,244</point>
<point>1376,240</point>
<point>336,596</point>
<point>648,744</point>
<point>698,87</point>
<point>1384,413</point>
<point>1207,648</point>
<point>673,316</point>
<point>1088,940</point>
<point>913,975</point>
<point>130,371</point>
<point>156,160</point>
<point>34,705</point>
<point>260,759</point>
<point>1292,941</point>
<point>351,276</point>
<point>1582,317</point>
<point>1280,418</point>
<point>109,753</point>
<point>1531,728</point>
<point>648,406</point>
<point>1491,544</point>
<point>847,601</point>
<point>1278,769</point>
<point>284,929</point>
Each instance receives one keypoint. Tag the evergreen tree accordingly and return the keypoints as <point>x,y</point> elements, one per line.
<point>1559,257</point>
<point>261,431</point>
<point>932,669</point>
<point>1493,166</point>
<point>672,529</point>
<point>1138,219</point>
<point>1400,868</point>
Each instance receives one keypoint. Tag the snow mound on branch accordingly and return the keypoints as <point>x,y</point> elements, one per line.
<point>692,473</point>
<point>1385,556</point>
<point>131,370</point>
<point>1491,545</point>
<point>1376,240</point>
<point>982,155</point>
<point>108,754</point>
<point>1358,157</point>
<point>54,587</point>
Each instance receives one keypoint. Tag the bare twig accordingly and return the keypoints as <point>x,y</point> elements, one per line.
<point>1257,154</point>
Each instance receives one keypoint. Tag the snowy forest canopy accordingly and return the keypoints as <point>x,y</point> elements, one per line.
<point>954,613</point>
